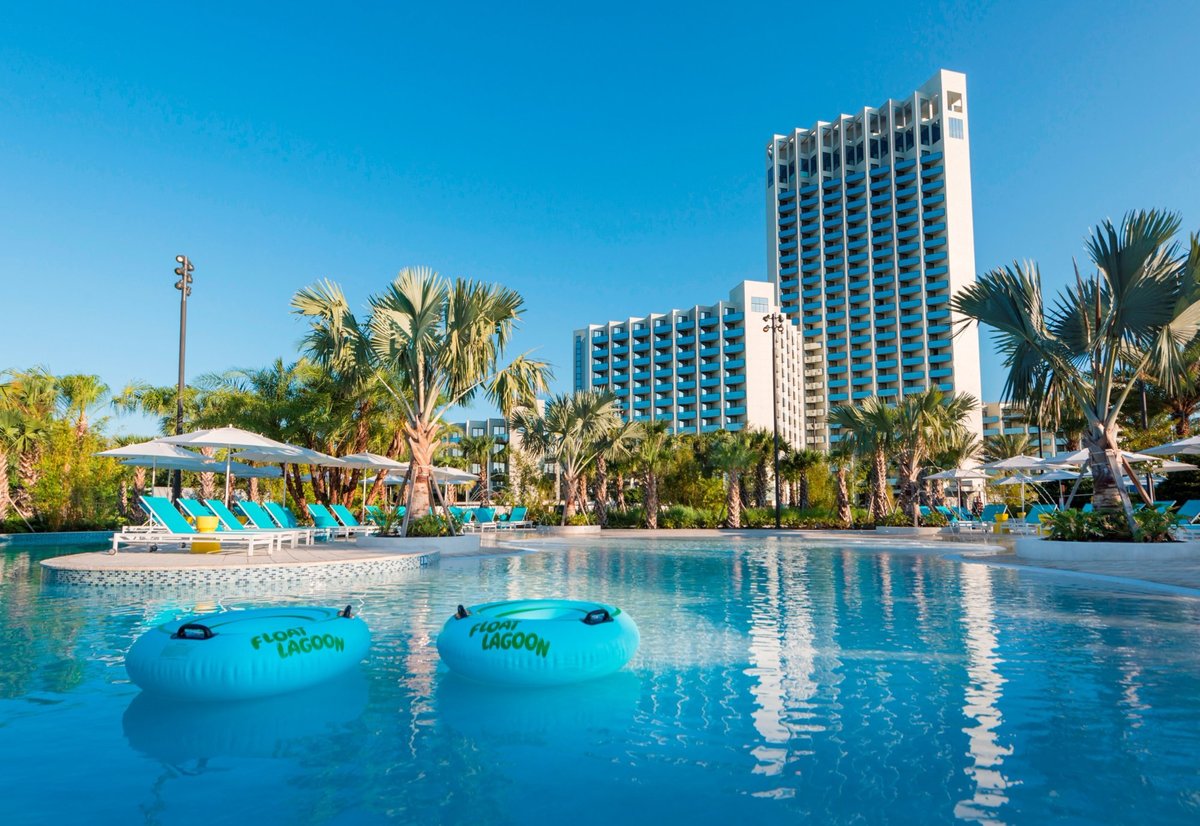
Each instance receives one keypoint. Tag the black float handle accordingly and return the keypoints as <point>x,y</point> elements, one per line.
<point>185,631</point>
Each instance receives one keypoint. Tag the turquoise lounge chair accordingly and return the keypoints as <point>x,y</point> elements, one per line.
<point>484,519</point>
<point>261,519</point>
<point>193,508</point>
<point>375,514</point>
<point>1188,512</point>
<point>347,518</point>
<point>990,512</point>
<point>516,519</point>
<point>1162,506</point>
<point>234,525</point>
<point>322,518</point>
<point>283,517</point>
<point>171,528</point>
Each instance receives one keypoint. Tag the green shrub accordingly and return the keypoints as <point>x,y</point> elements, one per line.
<point>632,518</point>
<point>1154,526</point>
<point>1108,526</point>
<point>427,525</point>
<point>579,519</point>
<point>934,519</point>
<point>895,519</point>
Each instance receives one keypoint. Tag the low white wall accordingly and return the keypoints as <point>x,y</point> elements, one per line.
<point>906,531</point>
<point>569,530</point>
<point>446,545</point>
<point>1050,550</point>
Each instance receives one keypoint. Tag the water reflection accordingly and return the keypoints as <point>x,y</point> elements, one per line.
<point>983,694</point>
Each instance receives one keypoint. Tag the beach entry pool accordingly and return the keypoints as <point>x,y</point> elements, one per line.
<point>775,681</point>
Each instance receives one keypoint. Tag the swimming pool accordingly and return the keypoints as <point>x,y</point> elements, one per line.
<point>774,680</point>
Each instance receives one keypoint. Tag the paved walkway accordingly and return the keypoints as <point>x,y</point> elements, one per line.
<point>1179,573</point>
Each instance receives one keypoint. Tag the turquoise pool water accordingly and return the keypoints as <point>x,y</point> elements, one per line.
<point>775,682</point>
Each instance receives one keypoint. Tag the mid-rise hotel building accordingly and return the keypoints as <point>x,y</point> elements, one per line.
<point>869,233</point>
<point>699,369</point>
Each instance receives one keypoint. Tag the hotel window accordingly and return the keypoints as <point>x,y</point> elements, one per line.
<point>759,305</point>
<point>955,127</point>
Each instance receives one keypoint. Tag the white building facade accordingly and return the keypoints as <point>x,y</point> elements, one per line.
<point>869,234</point>
<point>699,369</point>
<point>1004,418</point>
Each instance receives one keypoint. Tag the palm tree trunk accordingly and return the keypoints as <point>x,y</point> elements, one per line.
<point>601,490</point>
<point>802,500</point>
<point>571,485</point>
<point>880,502</point>
<point>208,481</point>
<point>27,478</point>
<point>845,515</point>
<point>422,444</point>
<point>621,491</point>
<point>3,483</point>
<point>760,483</point>
<point>255,494</point>
<point>733,501</point>
<point>651,500</point>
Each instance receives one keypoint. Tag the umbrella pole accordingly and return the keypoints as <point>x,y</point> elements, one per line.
<point>227,459</point>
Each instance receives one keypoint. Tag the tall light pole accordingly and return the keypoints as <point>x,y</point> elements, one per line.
<point>184,285</point>
<point>774,325</point>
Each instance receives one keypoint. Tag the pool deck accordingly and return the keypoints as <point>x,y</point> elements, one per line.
<point>327,561</point>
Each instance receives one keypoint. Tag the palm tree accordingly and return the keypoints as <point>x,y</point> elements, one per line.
<point>925,422</point>
<point>873,426</point>
<point>617,445</point>
<point>1183,399</point>
<point>573,430</point>
<point>481,450</point>
<point>799,463</point>
<point>1137,311</point>
<point>1005,445</point>
<point>842,454</point>
<point>8,433</point>
<point>432,344</point>
<point>956,450</point>
<point>31,395</point>
<point>651,456</point>
<point>734,454</point>
<point>80,393</point>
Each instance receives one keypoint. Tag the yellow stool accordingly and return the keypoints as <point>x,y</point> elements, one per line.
<point>206,524</point>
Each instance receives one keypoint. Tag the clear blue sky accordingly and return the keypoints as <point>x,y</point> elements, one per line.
<point>603,161</point>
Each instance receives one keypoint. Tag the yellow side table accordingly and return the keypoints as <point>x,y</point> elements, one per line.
<point>1000,527</point>
<point>206,524</point>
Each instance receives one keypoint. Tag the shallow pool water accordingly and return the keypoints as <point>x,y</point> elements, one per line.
<point>775,681</point>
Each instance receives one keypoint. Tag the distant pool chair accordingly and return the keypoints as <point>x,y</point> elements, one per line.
<point>516,519</point>
<point>322,518</point>
<point>193,508</point>
<point>347,518</point>
<point>260,518</point>
<point>1188,512</point>
<point>171,528</point>
<point>293,536</point>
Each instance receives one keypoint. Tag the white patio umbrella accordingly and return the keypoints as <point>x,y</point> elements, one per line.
<point>1022,480</point>
<point>1080,457</point>
<point>230,438</point>
<point>958,474</point>
<point>370,460</point>
<point>1189,446</point>
<point>289,455</point>
<point>1020,463</point>
<point>153,451</point>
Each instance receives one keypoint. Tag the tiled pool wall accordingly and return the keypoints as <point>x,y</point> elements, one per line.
<point>245,577</point>
<point>60,538</point>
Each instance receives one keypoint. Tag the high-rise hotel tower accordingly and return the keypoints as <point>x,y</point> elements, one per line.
<point>869,234</point>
